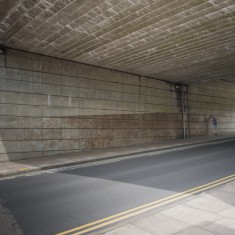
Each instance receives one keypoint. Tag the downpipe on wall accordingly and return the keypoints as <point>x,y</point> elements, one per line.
<point>183,90</point>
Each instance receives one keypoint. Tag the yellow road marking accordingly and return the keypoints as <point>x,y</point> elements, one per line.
<point>146,209</point>
<point>147,206</point>
<point>23,169</point>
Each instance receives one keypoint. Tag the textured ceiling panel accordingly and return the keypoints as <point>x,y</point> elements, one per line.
<point>180,41</point>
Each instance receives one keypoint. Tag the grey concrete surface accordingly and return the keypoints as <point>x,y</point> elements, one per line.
<point>50,106</point>
<point>170,40</point>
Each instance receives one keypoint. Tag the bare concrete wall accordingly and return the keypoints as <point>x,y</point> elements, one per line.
<point>50,106</point>
<point>215,98</point>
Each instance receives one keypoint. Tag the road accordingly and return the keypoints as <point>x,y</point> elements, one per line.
<point>57,201</point>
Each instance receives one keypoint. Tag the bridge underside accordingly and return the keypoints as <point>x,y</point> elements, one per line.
<point>179,41</point>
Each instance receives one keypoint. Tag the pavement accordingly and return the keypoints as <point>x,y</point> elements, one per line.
<point>209,213</point>
<point>55,161</point>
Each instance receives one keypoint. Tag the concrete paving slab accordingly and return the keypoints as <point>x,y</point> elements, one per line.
<point>232,184</point>
<point>3,167</point>
<point>12,164</point>
<point>226,187</point>
<point>190,215</point>
<point>229,212</point>
<point>194,231</point>
<point>127,230</point>
<point>159,225</point>
<point>73,159</point>
<point>207,204</point>
<point>5,171</point>
<point>223,226</point>
<point>223,196</point>
<point>18,167</point>
<point>229,189</point>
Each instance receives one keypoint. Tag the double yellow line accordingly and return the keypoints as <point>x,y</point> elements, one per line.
<point>144,208</point>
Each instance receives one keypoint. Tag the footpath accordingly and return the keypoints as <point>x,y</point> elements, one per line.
<point>55,161</point>
<point>209,213</point>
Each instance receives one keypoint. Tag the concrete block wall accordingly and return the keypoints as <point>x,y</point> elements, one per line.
<point>211,98</point>
<point>50,106</point>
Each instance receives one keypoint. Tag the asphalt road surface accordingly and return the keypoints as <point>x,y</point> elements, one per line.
<point>54,202</point>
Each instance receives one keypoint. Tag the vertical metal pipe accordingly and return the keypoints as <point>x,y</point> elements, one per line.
<point>183,111</point>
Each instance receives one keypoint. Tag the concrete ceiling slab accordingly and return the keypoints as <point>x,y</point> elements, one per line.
<point>174,40</point>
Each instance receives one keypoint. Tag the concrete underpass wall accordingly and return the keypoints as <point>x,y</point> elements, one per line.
<point>211,98</point>
<point>50,106</point>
